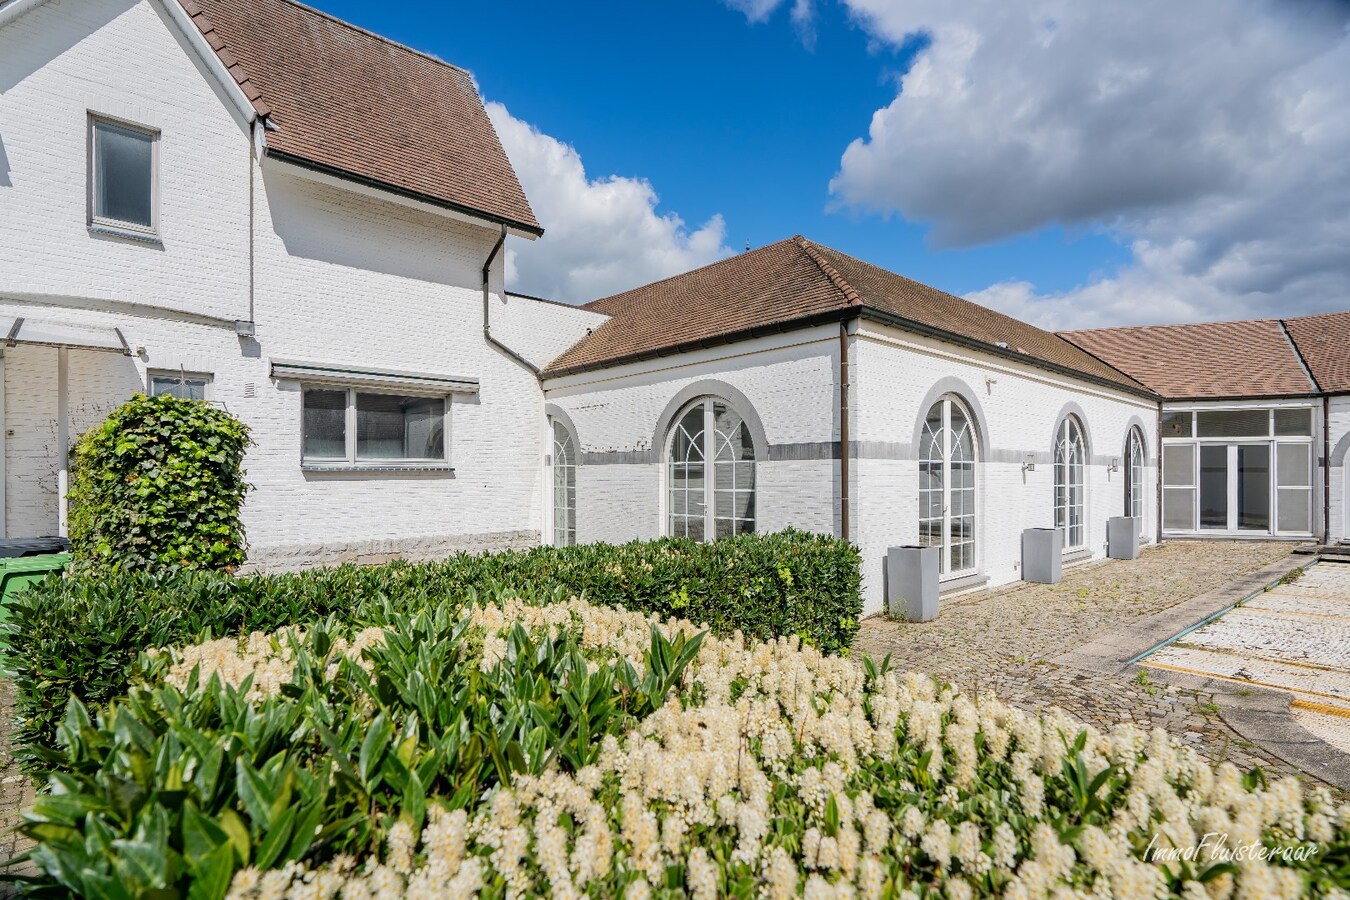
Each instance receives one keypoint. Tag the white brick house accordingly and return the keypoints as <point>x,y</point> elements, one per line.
<point>254,265</point>
<point>211,197</point>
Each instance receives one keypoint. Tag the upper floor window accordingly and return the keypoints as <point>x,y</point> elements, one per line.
<point>122,176</point>
<point>350,427</point>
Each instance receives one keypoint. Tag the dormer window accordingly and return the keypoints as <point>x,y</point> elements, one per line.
<point>122,182</point>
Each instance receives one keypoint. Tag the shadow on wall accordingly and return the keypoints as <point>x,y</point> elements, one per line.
<point>4,165</point>
<point>39,46</point>
<point>398,241</point>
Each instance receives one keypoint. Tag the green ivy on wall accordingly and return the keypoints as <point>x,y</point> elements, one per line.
<point>158,486</point>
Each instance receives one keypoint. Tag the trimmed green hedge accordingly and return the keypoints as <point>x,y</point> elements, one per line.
<point>158,485</point>
<point>81,636</point>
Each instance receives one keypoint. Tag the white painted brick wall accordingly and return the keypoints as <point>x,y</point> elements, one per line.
<point>118,58</point>
<point>791,381</point>
<point>893,374</point>
<point>537,329</point>
<point>341,279</point>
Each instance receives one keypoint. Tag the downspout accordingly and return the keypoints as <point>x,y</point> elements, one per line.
<point>487,320</point>
<point>843,430</point>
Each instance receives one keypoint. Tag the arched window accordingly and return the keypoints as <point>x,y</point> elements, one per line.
<point>700,507</point>
<point>1134,473</point>
<point>1070,489</point>
<point>947,486</point>
<point>564,486</point>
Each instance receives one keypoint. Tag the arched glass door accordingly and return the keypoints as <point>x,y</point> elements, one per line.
<point>947,486</point>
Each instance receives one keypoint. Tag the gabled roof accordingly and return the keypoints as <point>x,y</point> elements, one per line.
<point>353,104</point>
<point>1324,343</point>
<point>1210,360</point>
<point>794,283</point>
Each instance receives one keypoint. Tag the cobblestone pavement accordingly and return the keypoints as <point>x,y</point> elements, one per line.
<point>16,790</point>
<point>1295,637</point>
<point>1002,641</point>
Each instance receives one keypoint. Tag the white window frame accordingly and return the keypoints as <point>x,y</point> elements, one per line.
<point>572,464</point>
<point>181,376</point>
<point>709,449</point>
<point>949,402</point>
<point>1134,472</point>
<point>350,463</point>
<point>1065,513</point>
<point>105,223</point>
<point>1270,439</point>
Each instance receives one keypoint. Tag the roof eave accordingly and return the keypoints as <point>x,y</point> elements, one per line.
<point>731,337</point>
<point>517,227</point>
<point>889,318</point>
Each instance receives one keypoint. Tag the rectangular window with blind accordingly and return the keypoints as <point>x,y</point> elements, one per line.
<point>359,428</point>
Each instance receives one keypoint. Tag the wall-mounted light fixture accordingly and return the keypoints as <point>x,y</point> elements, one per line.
<point>1115,464</point>
<point>1029,465</point>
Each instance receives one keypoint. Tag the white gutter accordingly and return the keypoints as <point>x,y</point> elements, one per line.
<point>16,8</point>
<point>239,103</point>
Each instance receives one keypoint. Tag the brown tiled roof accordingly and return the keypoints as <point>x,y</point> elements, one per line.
<point>795,282</point>
<point>1324,343</point>
<point>356,104</point>
<point>1209,360</point>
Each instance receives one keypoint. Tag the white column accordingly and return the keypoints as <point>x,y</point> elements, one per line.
<point>62,439</point>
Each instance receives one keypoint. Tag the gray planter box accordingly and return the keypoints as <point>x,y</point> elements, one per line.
<point>912,582</point>
<point>1042,554</point>
<point>1122,537</point>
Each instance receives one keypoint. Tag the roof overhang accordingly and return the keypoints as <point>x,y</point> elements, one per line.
<point>854,311</point>
<point>323,373</point>
<point>373,187</point>
<point>46,333</point>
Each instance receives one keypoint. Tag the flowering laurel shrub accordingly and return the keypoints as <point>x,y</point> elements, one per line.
<point>79,636</point>
<point>571,750</point>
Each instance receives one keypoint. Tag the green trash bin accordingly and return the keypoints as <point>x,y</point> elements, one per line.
<point>18,573</point>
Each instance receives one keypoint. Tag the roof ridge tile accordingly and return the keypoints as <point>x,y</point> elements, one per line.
<point>849,292</point>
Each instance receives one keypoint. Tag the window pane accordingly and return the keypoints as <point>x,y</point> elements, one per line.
<point>1253,487</point>
<point>123,174</point>
<point>1214,486</point>
<point>1179,509</point>
<point>184,388</point>
<point>1179,464</point>
<point>1295,467</point>
<point>1295,510</point>
<point>1233,423</point>
<point>325,424</point>
<point>393,427</point>
<point>1293,421</point>
<point>1177,424</point>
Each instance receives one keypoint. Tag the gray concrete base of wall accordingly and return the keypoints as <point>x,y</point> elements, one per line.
<point>292,557</point>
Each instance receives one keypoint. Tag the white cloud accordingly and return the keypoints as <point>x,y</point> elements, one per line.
<point>601,236</point>
<point>1209,136</point>
<point>803,15</point>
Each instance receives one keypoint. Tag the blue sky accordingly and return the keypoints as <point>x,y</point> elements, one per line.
<point>746,113</point>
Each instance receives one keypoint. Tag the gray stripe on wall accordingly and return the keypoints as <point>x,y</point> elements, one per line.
<point>803,451</point>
